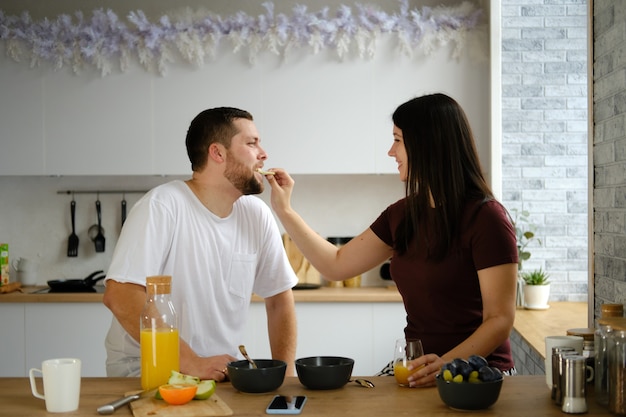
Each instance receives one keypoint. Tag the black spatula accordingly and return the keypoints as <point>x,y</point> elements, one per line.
<point>72,241</point>
<point>99,239</point>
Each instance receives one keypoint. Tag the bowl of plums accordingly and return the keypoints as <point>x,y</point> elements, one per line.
<point>469,384</point>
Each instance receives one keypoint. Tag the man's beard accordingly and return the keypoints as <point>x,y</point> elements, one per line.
<point>242,177</point>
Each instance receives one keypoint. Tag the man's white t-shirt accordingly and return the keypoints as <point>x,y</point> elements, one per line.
<point>215,263</point>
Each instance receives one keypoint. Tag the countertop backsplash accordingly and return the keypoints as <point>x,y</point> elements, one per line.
<point>35,218</point>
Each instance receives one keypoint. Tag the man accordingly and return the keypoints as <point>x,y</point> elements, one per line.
<point>217,241</point>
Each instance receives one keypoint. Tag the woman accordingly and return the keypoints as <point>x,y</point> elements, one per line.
<point>452,246</point>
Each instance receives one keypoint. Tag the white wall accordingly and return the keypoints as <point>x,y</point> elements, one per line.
<point>35,219</point>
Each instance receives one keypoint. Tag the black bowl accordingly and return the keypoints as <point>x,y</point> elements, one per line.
<point>324,372</point>
<point>468,395</point>
<point>268,376</point>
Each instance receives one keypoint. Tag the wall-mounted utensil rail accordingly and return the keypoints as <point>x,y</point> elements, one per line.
<point>70,192</point>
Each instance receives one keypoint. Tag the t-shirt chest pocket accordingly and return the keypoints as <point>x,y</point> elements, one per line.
<point>241,276</point>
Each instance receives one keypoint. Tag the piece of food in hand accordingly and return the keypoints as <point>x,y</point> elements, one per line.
<point>262,172</point>
<point>178,394</point>
<point>206,388</point>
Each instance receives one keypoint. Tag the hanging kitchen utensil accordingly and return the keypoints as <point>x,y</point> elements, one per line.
<point>72,240</point>
<point>99,239</point>
<point>123,209</point>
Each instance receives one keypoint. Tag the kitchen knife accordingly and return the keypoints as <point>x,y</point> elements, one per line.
<point>110,408</point>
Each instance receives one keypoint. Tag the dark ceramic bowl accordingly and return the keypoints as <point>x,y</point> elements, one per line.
<point>324,372</point>
<point>268,376</point>
<point>468,395</point>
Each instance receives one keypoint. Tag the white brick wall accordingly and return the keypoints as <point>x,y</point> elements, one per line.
<point>544,143</point>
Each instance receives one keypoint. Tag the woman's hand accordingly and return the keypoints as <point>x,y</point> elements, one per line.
<point>424,368</point>
<point>282,187</point>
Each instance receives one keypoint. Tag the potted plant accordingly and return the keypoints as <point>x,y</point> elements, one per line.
<point>536,289</point>
<point>525,233</point>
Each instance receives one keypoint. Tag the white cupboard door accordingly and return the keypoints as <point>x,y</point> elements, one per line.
<point>13,357</point>
<point>98,125</point>
<point>61,330</point>
<point>365,332</point>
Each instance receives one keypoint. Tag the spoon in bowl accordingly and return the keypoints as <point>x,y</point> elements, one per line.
<point>243,351</point>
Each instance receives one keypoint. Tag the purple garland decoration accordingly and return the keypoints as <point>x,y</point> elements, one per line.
<point>104,38</point>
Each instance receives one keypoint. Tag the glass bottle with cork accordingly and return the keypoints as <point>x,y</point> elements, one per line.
<point>160,351</point>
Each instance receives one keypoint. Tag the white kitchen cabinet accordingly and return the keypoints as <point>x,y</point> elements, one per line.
<point>365,332</point>
<point>33,332</point>
<point>67,330</point>
<point>98,125</point>
<point>12,342</point>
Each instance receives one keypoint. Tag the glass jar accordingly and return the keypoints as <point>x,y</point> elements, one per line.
<point>617,370</point>
<point>601,354</point>
<point>159,342</point>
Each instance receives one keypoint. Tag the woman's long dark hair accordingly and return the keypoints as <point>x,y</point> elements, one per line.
<point>442,163</point>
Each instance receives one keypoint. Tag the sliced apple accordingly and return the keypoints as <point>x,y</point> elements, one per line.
<point>206,388</point>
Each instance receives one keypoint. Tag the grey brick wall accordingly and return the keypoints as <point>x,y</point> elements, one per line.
<point>609,151</point>
<point>544,142</point>
<point>527,360</point>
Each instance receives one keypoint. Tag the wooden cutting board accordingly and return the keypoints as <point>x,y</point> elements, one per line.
<point>150,407</point>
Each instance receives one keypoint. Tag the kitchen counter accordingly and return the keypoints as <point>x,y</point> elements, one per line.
<point>387,398</point>
<point>324,294</point>
<point>533,325</point>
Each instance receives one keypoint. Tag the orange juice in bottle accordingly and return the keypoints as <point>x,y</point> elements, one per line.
<point>159,356</point>
<point>159,341</point>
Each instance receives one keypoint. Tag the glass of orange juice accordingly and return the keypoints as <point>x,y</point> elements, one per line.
<point>406,350</point>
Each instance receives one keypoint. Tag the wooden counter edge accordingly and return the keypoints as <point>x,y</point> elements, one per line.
<point>319,295</point>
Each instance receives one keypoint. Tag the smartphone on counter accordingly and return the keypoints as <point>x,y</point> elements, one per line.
<point>282,404</point>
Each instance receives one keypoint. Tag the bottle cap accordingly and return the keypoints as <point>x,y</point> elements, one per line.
<point>159,284</point>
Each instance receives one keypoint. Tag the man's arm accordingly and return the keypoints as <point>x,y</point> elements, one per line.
<point>282,329</point>
<point>126,302</point>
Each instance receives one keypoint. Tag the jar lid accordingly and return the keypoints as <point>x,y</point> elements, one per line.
<point>586,333</point>
<point>612,310</point>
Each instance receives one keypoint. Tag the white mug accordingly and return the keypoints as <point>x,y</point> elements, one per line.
<point>26,270</point>
<point>23,264</point>
<point>553,341</point>
<point>61,384</point>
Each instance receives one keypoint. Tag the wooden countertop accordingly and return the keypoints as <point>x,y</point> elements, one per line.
<point>520,396</point>
<point>535,325</point>
<point>323,294</point>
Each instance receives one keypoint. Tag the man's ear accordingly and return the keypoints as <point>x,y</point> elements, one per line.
<point>217,152</point>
